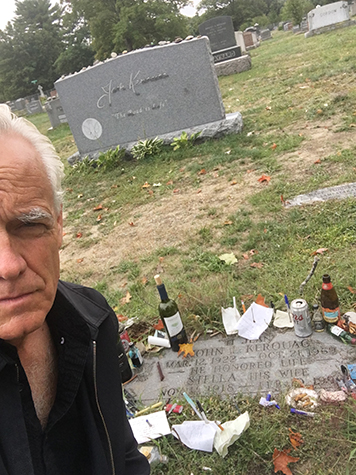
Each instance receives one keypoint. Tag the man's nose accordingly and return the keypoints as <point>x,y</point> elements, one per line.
<point>12,264</point>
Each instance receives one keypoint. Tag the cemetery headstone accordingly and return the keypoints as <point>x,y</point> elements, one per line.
<point>143,94</point>
<point>327,16</point>
<point>265,35</point>
<point>220,31</point>
<point>20,104</point>
<point>248,39</point>
<point>34,107</point>
<point>232,365</point>
<point>239,37</point>
<point>55,112</point>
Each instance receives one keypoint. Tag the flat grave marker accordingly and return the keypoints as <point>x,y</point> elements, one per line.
<point>232,365</point>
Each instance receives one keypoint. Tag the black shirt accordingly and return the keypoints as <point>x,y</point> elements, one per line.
<point>62,447</point>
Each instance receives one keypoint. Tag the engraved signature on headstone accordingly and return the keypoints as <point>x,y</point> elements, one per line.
<point>134,81</point>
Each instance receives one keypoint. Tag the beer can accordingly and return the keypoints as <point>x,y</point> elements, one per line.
<point>301,318</point>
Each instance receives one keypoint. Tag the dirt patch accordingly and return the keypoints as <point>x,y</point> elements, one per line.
<point>173,219</point>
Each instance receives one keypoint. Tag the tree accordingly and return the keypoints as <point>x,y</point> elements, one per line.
<point>29,47</point>
<point>295,10</point>
<point>118,25</point>
<point>78,52</point>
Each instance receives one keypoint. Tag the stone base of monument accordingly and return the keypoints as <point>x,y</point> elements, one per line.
<point>325,29</point>
<point>230,365</point>
<point>233,66</point>
<point>232,124</point>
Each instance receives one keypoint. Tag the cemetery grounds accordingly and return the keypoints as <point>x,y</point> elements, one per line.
<point>176,212</point>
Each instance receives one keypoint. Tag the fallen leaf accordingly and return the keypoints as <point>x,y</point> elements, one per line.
<point>113,186</point>
<point>265,230</point>
<point>274,146</point>
<point>126,299</point>
<point>64,234</point>
<point>144,280</point>
<point>252,252</point>
<point>234,182</point>
<point>202,172</point>
<point>170,182</point>
<point>80,195</point>
<point>319,251</point>
<point>227,222</point>
<point>122,318</point>
<point>319,111</point>
<point>131,223</point>
<point>295,438</point>
<point>268,108</point>
<point>99,218</point>
<point>257,265</point>
<point>317,161</point>
<point>187,349</point>
<point>98,208</point>
<point>282,200</point>
<point>246,256</point>
<point>80,260</point>
<point>146,185</point>
<point>182,169</point>
<point>264,178</point>
<point>353,291</point>
<point>228,258</point>
<point>79,235</point>
<point>228,152</point>
<point>261,301</point>
<point>161,259</point>
<point>199,190</point>
<point>352,125</point>
<point>281,461</point>
<point>159,325</point>
<point>176,190</point>
<point>150,192</point>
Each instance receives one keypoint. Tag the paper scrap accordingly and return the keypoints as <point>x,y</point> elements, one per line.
<point>282,320</point>
<point>254,321</point>
<point>144,431</point>
<point>230,318</point>
<point>232,431</point>
<point>197,435</point>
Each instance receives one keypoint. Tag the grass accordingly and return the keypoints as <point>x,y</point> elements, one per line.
<point>296,86</point>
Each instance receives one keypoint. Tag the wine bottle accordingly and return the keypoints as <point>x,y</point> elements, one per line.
<point>329,301</point>
<point>169,313</point>
<point>341,334</point>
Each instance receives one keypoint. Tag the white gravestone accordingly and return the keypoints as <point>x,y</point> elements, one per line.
<point>328,15</point>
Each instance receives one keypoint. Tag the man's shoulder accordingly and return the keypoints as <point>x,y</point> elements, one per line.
<point>90,303</point>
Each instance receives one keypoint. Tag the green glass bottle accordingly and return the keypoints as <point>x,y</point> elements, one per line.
<point>341,334</point>
<point>169,313</point>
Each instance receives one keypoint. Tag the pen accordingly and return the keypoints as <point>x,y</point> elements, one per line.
<point>192,405</point>
<point>302,413</point>
<point>202,412</point>
<point>154,406</point>
<point>243,306</point>
<point>148,422</point>
<point>288,307</point>
<point>161,375</point>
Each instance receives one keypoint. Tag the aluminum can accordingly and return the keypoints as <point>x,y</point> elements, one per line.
<point>301,318</point>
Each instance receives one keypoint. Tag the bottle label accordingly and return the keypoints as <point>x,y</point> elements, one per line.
<point>336,330</point>
<point>174,324</point>
<point>331,315</point>
<point>327,285</point>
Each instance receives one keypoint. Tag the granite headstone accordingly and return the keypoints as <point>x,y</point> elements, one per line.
<point>328,15</point>
<point>220,31</point>
<point>232,365</point>
<point>142,94</point>
<point>34,107</point>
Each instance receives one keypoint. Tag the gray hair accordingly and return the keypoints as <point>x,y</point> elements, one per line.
<point>9,122</point>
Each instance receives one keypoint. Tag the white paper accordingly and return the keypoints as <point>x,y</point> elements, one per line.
<point>197,435</point>
<point>144,432</point>
<point>230,318</point>
<point>282,320</point>
<point>232,431</point>
<point>254,321</point>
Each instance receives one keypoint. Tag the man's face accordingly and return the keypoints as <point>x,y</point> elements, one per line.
<point>30,238</point>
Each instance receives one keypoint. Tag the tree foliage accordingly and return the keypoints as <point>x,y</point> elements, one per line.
<point>118,25</point>
<point>295,10</point>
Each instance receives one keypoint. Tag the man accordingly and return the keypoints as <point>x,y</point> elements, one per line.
<point>61,408</point>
